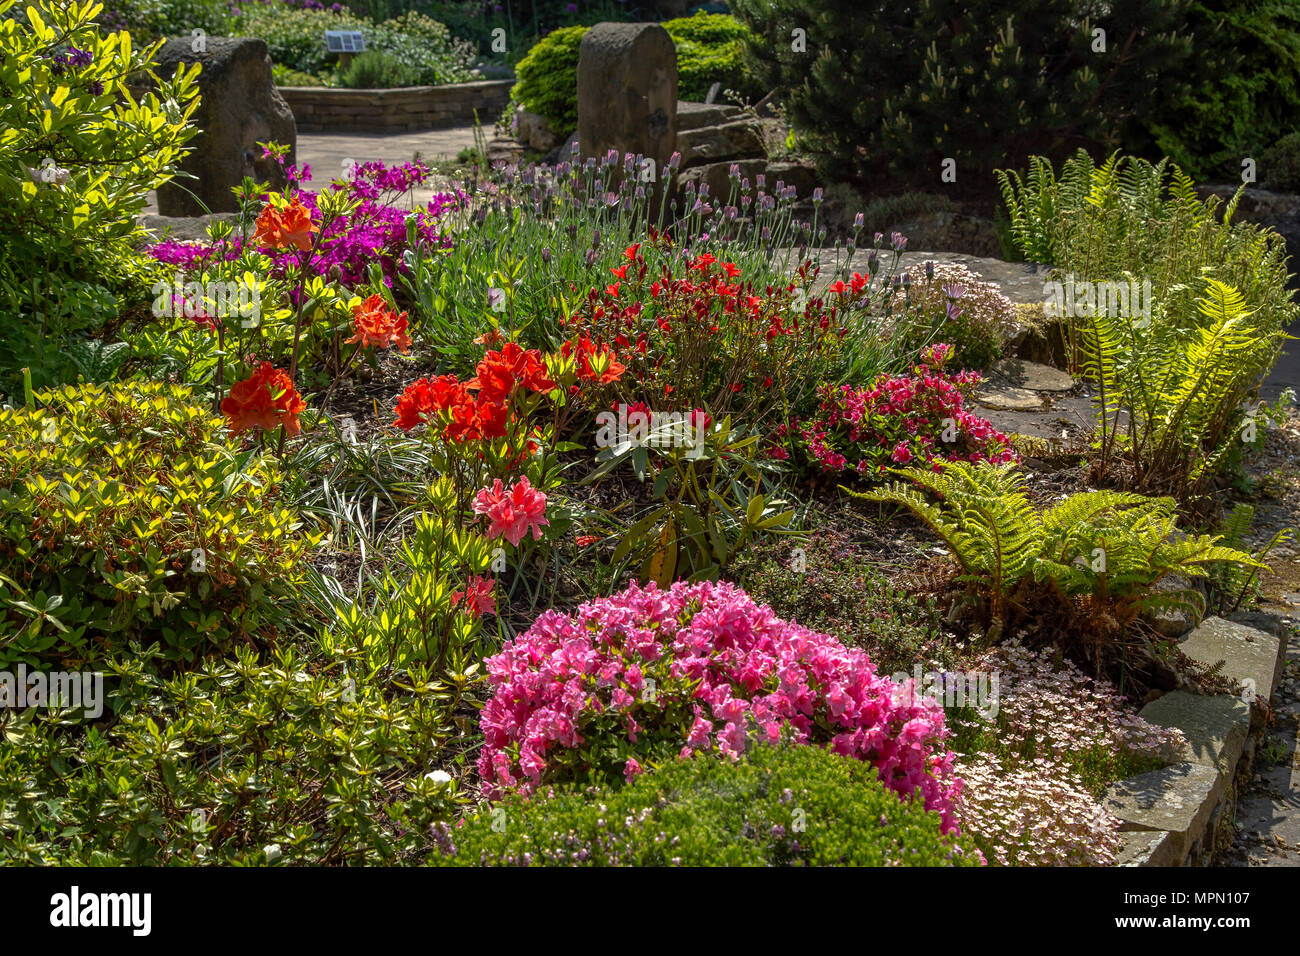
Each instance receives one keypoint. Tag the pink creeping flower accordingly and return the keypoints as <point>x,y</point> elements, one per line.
<point>512,513</point>
<point>631,769</point>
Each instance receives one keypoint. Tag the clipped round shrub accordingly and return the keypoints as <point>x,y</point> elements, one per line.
<point>128,513</point>
<point>548,78</point>
<point>710,49</point>
<point>777,806</point>
<point>649,674</point>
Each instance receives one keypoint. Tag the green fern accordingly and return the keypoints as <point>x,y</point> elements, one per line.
<point>1230,584</point>
<point>1178,393</point>
<point>1111,547</point>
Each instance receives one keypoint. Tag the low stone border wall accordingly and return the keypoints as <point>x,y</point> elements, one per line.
<point>318,109</point>
<point>1173,816</point>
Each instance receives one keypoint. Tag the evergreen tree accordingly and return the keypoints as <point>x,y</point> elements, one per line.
<point>874,87</point>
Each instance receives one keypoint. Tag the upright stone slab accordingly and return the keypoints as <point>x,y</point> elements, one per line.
<point>627,92</point>
<point>239,107</point>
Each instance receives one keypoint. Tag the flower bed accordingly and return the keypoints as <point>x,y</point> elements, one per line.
<point>453,534</point>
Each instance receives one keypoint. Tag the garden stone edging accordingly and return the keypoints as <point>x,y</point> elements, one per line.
<point>321,109</point>
<point>1170,817</point>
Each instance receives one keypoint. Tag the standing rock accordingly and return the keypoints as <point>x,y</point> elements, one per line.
<point>627,92</point>
<point>239,107</point>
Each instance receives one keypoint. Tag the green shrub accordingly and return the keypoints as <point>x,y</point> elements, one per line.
<point>426,46</point>
<point>710,48</point>
<point>148,20</point>
<point>882,88</point>
<point>296,39</point>
<point>779,806</point>
<point>1279,169</point>
<point>239,762</point>
<point>286,76</point>
<point>126,513</point>
<point>1244,87</point>
<point>376,70</point>
<point>77,160</point>
<point>548,78</point>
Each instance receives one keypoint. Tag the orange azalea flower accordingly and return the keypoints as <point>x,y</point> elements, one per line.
<point>375,325</point>
<point>266,399</point>
<point>279,228</point>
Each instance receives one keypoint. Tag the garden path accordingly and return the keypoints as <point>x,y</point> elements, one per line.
<point>325,153</point>
<point>1268,812</point>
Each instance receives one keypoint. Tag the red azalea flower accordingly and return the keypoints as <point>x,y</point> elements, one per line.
<point>477,595</point>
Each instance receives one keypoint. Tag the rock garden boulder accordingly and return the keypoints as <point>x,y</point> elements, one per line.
<point>627,91</point>
<point>239,107</point>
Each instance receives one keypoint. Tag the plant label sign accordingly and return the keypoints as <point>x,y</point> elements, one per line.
<point>344,41</point>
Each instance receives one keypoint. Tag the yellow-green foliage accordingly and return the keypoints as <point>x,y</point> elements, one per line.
<point>79,153</point>
<point>1128,216</point>
<point>127,513</point>
<point>413,616</point>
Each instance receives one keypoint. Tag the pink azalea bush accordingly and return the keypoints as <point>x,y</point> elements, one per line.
<point>649,674</point>
<point>919,419</point>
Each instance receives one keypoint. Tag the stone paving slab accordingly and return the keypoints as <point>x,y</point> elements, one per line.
<point>1215,727</point>
<point>1180,800</point>
<point>1249,655</point>
<point>1146,848</point>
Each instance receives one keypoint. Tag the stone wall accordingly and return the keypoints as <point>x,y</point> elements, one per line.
<point>1177,816</point>
<point>323,109</point>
